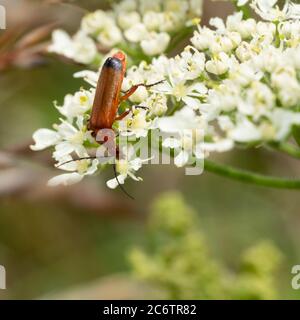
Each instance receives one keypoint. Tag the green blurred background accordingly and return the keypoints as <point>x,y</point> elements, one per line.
<point>78,238</point>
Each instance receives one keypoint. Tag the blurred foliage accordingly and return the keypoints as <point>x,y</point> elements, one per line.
<point>178,259</point>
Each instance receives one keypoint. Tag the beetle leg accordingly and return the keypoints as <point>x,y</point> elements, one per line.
<point>122,115</point>
<point>126,113</point>
<point>133,89</point>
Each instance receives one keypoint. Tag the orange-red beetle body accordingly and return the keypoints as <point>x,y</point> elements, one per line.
<point>107,96</point>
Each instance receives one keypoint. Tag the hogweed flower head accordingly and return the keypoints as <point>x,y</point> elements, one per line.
<point>237,83</point>
<point>136,25</point>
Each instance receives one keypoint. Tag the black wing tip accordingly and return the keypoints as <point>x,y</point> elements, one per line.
<point>113,63</point>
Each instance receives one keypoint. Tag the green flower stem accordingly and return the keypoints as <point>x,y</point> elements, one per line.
<point>247,176</point>
<point>287,148</point>
<point>250,177</point>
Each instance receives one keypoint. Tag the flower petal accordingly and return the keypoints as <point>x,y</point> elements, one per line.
<point>181,159</point>
<point>44,138</point>
<point>65,179</point>
<point>113,183</point>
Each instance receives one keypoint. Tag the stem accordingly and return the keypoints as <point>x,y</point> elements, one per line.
<point>286,148</point>
<point>250,177</point>
<point>277,36</point>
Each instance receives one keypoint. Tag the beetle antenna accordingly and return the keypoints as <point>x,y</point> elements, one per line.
<point>141,107</point>
<point>154,84</point>
<point>120,185</point>
<point>73,160</point>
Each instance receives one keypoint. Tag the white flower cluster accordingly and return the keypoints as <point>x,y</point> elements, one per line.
<point>270,9</point>
<point>242,75</point>
<point>256,94</point>
<point>238,83</point>
<point>140,26</point>
<point>70,137</point>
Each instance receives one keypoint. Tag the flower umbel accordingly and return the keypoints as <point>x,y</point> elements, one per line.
<point>134,26</point>
<point>236,84</point>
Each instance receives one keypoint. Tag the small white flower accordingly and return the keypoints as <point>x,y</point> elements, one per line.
<point>188,131</point>
<point>219,64</point>
<point>244,52</point>
<point>126,167</point>
<point>125,6</point>
<point>65,179</point>
<point>81,48</point>
<point>155,43</point>
<point>192,62</point>
<point>157,104</point>
<point>171,20</point>
<point>110,36</point>
<point>283,120</point>
<point>129,19</point>
<point>136,123</point>
<point>90,77</point>
<point>61,43</point>
<point>178,88</point>
<point>245,131</point>
<point>77,104</point>
<point>153,20</point>
<point>246,28</point>
<point>183,119</point>
<point>153,5</point>
<point>136,33</point>
<point>258,100</point>
<point>44,138</point>
<point>203,38</point>
<point>226,97</point>
<point>82,166</point>
<point>84,48</point>
<point>269,10</point>
<point>71,139</point>
<point>94,22</point>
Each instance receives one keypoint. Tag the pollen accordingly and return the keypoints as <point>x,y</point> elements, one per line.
<point>82,166</point>
<point>83,100</point>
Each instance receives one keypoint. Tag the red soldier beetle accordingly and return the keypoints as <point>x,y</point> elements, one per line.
<point>107,100</point>
<point>107,96</point>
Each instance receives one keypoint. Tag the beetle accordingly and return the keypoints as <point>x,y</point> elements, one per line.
<point>108,99</point>
<point>107,96</point>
